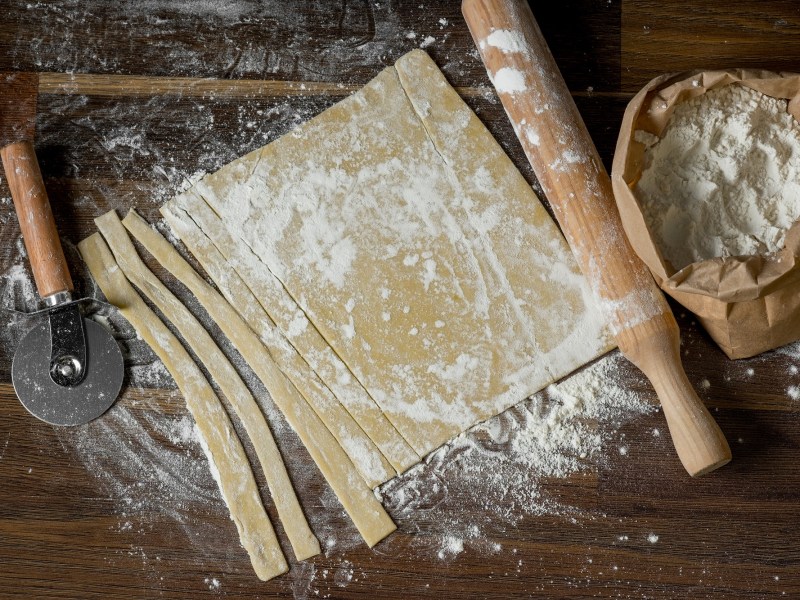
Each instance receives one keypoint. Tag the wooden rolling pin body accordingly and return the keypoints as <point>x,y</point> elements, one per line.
<point>568,167</point>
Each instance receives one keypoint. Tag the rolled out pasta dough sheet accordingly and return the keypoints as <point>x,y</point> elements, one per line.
<point>403,232</point>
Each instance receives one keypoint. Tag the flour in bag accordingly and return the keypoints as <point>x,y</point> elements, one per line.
<point>724,178</point>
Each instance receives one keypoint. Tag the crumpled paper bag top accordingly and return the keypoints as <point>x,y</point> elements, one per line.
<point>748,304</point>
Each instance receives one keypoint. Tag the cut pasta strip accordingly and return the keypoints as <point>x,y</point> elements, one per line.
<point>303,542</point>
<point>226,455</point>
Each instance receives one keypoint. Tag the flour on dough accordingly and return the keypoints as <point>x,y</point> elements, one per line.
<point>414,246</point>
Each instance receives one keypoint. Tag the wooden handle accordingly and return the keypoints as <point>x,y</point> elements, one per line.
<point>568,167</point>
<point>36,219</point>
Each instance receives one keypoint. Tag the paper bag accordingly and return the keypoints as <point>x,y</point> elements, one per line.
<point>748,304</point>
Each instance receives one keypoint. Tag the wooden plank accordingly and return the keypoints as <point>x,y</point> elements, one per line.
<point>67,532</point>
<point>137,86</point>
<point>666,37</point>
<point>144,86</point>
<point>587,51</point>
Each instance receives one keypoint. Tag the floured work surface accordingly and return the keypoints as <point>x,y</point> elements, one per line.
<point>393,230</point>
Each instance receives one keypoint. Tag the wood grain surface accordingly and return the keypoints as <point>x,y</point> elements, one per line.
<point>137,96</point>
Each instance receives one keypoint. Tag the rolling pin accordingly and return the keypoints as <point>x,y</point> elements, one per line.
<point>573,178</point>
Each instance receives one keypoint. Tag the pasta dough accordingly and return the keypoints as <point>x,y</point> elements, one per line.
<point>226,456</point>
<point>397,226</point>
<point>303,542</point>
<point>308,382</point>
<point>365,511</point>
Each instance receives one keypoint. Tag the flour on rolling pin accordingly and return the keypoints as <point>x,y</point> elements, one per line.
<point>633,309</point>
<point>507,80</point>
<point>724,177</point>
<point>567,165</point>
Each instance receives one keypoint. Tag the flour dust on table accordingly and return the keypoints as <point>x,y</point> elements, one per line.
<point>507,462</point>
<point>149,464</point>
<point>508,469</point>
<point>309,39</point>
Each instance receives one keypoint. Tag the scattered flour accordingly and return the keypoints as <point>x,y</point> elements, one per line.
<point>507,41</point>
<point>453,546</point>
<point>150,374</point>
<point>508,80</point>
<point>212,583</point>
<point>344,574</point>
<point>652,538</point>
<point>504,464</point>
<point>190,180</point>
<point>150,463</point>
<point>724,179</point>
<point>18,292</point>
<point>368,31</point>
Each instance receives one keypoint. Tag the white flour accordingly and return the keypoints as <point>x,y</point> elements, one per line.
<point>503,465</point>
<point>148,462</point>
<point>508,41</point>
<point>724,179</point>
<point>508,80</point>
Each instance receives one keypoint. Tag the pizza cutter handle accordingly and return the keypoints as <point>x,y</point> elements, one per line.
<point>36,219</point>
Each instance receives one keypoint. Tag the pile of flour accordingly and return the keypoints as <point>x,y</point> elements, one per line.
<point>504,466</point>
<point>724,178</point>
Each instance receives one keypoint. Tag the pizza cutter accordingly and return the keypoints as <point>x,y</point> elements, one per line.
<point>68,369</point>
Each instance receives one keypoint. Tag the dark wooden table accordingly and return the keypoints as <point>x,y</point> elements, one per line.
<point>85,515</point>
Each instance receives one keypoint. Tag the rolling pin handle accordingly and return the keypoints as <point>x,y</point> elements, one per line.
<point>36,221</point>
<point>699,442</point>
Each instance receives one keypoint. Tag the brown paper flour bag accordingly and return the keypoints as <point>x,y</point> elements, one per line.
<point>748,304</point>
